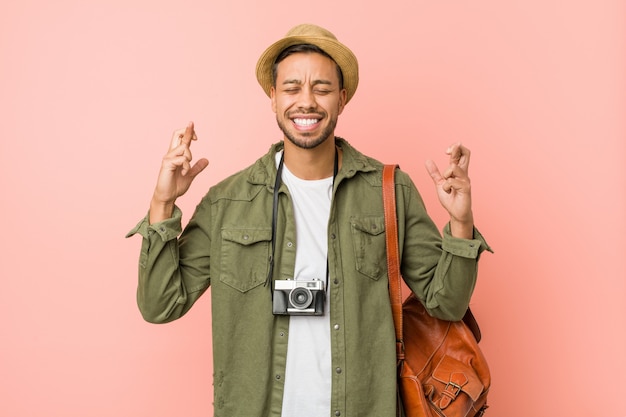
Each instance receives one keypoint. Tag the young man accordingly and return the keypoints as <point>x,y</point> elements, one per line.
<point>294,250</point>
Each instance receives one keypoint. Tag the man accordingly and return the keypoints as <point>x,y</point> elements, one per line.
<point>305,220</point>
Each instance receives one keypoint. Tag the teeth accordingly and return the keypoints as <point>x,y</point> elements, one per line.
<point>305,122</point>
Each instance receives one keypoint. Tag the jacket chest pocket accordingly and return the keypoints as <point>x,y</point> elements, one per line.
<point>245,257</point>
<point>368,241</point>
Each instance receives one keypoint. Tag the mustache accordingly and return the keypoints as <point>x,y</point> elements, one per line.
<point>303,112</point>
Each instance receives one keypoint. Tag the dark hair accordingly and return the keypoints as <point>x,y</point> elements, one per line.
<point>303,48</point>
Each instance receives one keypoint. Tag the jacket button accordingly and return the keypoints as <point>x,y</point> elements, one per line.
<point>338,370</point>
<point>336,327</point>
<point>337,413</point>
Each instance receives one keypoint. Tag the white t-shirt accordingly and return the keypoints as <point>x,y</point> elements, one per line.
<point>308,375</point>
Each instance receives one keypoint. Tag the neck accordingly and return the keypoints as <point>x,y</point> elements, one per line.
<point>312,164</point>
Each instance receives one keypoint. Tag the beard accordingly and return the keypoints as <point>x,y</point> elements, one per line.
<point>307,140</point>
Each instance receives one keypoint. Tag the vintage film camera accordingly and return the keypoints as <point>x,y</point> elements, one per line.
<point>303,298</point>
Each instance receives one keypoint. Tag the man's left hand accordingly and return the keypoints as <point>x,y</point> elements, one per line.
<point>454,190</point>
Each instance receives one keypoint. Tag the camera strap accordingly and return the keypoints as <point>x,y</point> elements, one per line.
<point>277,184</point>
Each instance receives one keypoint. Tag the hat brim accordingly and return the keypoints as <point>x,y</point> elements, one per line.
<point>338,52</point>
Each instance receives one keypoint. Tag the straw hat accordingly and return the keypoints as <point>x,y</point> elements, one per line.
<point>320,37</point>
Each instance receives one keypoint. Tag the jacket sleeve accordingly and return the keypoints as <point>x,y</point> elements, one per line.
<point>173,271</point>
<point>441,271</point>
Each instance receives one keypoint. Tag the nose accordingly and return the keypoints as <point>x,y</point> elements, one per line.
<point>306,98</point>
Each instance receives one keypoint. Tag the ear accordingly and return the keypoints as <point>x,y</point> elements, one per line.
<point>273,98</point>
<point>343,96</point>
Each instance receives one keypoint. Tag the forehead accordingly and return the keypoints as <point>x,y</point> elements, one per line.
<point>307,64</point>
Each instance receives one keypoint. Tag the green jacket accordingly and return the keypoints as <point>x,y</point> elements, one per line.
<point>227,246</point>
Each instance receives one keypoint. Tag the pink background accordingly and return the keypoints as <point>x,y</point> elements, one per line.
<point>90,92</point>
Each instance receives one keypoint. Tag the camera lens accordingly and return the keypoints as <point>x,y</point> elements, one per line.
<point>300,298</point>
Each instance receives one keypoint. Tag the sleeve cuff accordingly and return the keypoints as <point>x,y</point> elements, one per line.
<point>167,229</point>
<point>466,248</point>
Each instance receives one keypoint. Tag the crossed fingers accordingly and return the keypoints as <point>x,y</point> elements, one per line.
<point>456,175</point>
<point>179,153</point>
<point>459,155</point>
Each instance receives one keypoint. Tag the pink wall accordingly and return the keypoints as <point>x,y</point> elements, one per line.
<point>91,91</point>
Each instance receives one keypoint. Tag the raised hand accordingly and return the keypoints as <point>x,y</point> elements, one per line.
<point>176,174</point>
<point>454,190</point>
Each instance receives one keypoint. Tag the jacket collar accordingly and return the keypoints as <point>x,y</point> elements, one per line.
<point>263,172</point>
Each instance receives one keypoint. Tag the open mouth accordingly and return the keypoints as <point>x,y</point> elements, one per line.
<point>305,124</point>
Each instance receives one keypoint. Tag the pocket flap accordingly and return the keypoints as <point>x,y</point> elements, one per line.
<point>247,237</point>
<point>373,225</point>
<point>456,373</point>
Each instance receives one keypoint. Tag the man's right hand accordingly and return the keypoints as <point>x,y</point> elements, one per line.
<point>176,174</point>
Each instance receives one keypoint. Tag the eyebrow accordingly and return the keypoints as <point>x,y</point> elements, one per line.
<point>299,82</point>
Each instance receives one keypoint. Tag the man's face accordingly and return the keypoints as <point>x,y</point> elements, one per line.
<point>307,99</point>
